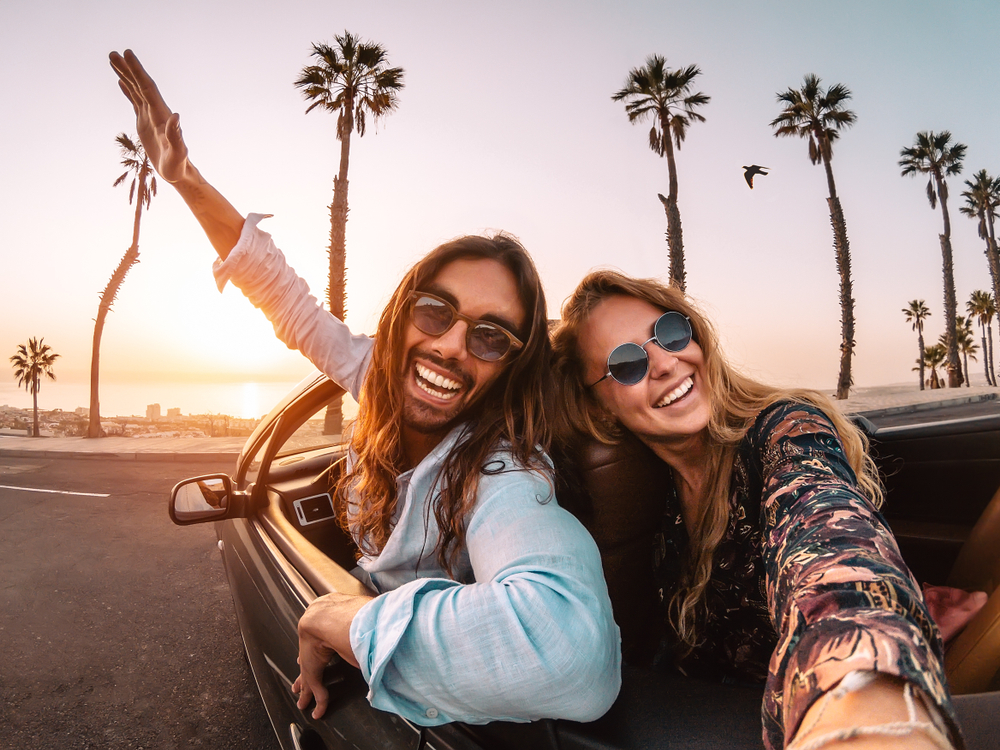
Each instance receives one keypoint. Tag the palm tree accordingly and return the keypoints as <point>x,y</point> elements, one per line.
<point>351,78</point>
<point>818,116</point>
<point>934,357</point>
<point>934,154</point>
<point>916,312</point>
<point>32,361</point>
<point>981,306</point>
<point>981,202</point>
<point>665,96</point>
<point>143,188</point>
<point>966,343</point>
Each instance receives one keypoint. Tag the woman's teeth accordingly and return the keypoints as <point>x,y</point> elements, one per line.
<point>426,378</point>
<point>676,393</point>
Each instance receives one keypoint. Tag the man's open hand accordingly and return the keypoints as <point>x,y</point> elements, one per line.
<point>324,630</point>
<point>159,129</point>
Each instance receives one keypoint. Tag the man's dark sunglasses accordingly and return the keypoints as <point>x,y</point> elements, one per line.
<point>485,340</point>
<point>628,363</point>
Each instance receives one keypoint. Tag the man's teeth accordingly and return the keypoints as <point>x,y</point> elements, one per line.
<point>676,393</point>
<point>440,381</point>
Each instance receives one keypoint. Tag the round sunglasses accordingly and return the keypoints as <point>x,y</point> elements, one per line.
<point>485,340</point>
<point>628,363</point>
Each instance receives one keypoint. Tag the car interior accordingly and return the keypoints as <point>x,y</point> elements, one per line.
<point>941,502</point>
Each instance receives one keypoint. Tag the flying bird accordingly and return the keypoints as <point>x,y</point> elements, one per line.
<point>751,171</point>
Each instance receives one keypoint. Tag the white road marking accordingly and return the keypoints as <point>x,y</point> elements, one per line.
<point>54,492</point>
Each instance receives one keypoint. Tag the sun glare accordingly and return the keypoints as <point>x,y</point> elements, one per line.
<point>250,404</point>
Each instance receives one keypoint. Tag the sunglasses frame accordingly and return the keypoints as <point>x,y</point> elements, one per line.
<point>472,324</point>
<point>642,346</point>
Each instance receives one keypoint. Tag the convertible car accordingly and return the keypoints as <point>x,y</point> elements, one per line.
<point>282,548</point>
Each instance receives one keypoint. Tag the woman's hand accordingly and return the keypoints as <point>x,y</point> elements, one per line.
<point>159,129</point>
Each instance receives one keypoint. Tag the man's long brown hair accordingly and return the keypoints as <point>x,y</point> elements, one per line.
<point>511,413</point>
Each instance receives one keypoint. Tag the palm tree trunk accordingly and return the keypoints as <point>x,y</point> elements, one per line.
<point>108,297</point>
<point>675,237</point>
<point>965,362</point>
<point>333,421</point>
<point>920,361</point>
<point>94,425</point>
<point>989,338</point>
<point>993,259</point>
<point>950,302</point>
<point>34,402</point>
<point>950,313</point>
<point>843,251</point>
<point>675,245</point>
<point>986,354</point>
<point>336,292</point>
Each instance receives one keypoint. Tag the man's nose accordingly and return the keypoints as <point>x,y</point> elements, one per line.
<point>661,362</point>
<point>451,343</point>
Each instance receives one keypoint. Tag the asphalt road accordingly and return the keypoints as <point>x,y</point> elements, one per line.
<point>117,628</point>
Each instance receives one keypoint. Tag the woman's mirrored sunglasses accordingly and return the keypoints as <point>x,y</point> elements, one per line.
<point>628,363</point>
<point>484,340</point>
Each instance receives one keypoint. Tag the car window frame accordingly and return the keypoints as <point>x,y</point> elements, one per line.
<point>321,573</point>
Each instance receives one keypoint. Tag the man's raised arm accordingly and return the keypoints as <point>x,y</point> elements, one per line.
<point>160,132</point>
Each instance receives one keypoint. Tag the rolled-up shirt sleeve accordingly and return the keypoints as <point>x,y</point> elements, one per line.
<point>261,272</point>
<point>532,638</point>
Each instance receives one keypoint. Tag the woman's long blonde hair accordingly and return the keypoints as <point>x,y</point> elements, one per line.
<point>735,402</point>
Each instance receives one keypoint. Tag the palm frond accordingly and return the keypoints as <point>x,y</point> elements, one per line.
<point>814,114</point>
<point>665,96</point>
<point>351,75</point>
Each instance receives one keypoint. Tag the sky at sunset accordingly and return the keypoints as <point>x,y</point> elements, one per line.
<point>506,122</point>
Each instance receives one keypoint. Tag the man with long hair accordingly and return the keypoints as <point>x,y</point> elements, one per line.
<point>487,600</point>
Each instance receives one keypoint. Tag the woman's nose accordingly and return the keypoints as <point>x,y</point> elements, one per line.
<point>661,362</point>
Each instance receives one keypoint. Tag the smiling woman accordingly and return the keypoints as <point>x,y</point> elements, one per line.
<point>772,562</point>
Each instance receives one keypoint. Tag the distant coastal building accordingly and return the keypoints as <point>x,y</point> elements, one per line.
<point>173,413</point>
<point>153,411</point>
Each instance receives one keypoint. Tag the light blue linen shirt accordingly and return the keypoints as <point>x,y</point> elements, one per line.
<point>526,631</point>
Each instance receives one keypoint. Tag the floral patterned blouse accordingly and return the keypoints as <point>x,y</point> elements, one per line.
<point>807,584</point>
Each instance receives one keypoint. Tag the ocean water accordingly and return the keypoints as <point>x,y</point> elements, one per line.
<point>247,400</point>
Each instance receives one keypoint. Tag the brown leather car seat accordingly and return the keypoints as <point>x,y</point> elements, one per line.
<point>972,660</point>
<point>617,492</point>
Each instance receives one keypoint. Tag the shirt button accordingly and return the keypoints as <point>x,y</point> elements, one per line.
<point>431,713</point>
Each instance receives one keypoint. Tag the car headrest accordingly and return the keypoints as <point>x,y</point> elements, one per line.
<point>618,492</point>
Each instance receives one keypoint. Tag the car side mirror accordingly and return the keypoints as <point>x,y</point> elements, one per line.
<point>207,498</point>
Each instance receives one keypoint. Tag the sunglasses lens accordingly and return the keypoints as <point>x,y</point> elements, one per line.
<point>432,316</point>
<point>488,342</point>
<point>628,363</point>
<point>673,331</point>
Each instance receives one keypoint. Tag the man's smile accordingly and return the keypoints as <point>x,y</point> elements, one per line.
<point>435,384</point>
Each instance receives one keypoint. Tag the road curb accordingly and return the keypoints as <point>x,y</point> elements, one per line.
<point>927,405</point>
<point>95,455</point>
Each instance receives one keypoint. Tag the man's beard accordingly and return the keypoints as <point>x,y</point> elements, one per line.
<point>425,418</point>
